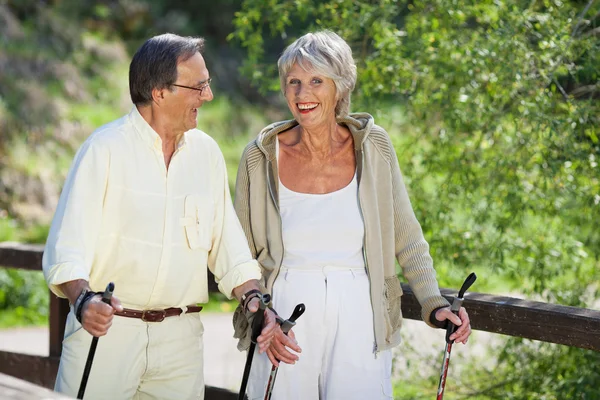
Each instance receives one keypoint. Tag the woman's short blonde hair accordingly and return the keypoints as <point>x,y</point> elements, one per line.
<point>325,53</point>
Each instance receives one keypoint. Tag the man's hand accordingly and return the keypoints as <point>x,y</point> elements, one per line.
<point>461,321</point>
<point>97,316</point>
<point>269,325</point>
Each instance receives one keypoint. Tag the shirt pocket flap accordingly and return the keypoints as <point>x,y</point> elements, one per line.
<point>197,221</point>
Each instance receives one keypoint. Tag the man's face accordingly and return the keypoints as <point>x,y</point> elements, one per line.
<point>183,104</point>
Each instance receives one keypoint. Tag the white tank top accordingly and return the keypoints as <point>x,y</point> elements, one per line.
<point>321,229</point>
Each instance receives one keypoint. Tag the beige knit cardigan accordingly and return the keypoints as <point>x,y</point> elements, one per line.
<point>392,231</point>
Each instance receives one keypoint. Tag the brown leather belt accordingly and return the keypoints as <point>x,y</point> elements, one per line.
<point>156,315</point>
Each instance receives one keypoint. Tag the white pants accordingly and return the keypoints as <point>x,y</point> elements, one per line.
<point>337,339</point>
<point>136,359</point>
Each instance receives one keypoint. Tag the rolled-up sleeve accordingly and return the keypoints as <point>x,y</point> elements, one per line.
<point>229,258</point>
<point>71,243</point>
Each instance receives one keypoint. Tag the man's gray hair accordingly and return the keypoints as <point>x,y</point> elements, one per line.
<point>325,53</point>
<point>154,65</point>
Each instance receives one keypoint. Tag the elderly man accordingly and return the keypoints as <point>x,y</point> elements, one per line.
<point>146,205</point>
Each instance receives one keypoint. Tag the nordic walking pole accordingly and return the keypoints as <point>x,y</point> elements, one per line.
<point>257,323</point>
<point>456,304</point>
<point>285,327</point>
<point>106,296</point>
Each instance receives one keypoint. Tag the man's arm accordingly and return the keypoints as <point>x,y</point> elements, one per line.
<point>71,243</point>
<point>70,247</point>
<point>229,259</point>
<point>73,289</point>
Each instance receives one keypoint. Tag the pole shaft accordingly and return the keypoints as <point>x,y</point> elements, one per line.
<point>444,373</point>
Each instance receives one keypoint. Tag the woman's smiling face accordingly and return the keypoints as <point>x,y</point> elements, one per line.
<point>311,97</point>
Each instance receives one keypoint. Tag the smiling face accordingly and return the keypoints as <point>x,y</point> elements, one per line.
<point>181,107</point>
<point>311,97</point>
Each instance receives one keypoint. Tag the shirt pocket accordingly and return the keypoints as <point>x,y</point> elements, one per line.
<point>197,221</point>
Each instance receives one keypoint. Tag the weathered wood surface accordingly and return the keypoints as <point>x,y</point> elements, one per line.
<point>571,326</point>
<point>35,369</point>
<point>36,374</point>
<point>22,256</point>
<point>17,389</point>
<point>59,309</point>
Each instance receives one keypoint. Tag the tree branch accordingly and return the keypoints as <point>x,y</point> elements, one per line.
<point>594,32</point>
<point>565,95</point>
<point>584,90</point>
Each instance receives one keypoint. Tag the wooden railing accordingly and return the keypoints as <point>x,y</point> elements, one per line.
<point>570,326</point>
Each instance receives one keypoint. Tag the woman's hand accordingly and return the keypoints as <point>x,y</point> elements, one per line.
<point>461,321</point>
<point>273,340</point>
<point>280,345</point>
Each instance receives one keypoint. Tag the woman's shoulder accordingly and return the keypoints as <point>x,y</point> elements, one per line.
<point>252,150</point>
<point>373,135</point>
<point>380,140</point>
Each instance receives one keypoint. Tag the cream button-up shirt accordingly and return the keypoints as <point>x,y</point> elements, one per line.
<point>124,218</point>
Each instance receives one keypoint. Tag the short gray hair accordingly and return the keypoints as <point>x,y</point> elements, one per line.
<point>325,53</point>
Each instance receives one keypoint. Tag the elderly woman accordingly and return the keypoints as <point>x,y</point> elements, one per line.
<point>326,213</point>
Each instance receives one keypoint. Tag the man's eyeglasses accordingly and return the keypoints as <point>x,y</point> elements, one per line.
<point>200,89</point>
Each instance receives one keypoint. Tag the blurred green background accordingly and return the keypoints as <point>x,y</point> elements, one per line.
<point>493,107</point>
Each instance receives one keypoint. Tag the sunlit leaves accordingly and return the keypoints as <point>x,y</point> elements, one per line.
<point>489,115</point>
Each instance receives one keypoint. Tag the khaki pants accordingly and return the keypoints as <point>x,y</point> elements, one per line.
<point>136,359</point>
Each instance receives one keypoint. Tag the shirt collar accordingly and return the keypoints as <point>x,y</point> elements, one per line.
<point>147,133</point>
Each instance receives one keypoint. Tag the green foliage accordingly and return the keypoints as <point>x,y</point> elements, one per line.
<point>568,373</point>
<point>217,302</point>
<point>12,230</point>
<point>500,158</point>
<point>494,115</point>
<point>233,123</point>
<point>54,75</point>
<point>24,298</point>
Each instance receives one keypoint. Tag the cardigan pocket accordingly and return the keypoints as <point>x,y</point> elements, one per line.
<point>392,295</point>
<point>197,221</point>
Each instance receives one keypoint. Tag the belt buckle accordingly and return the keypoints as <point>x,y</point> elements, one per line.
<point>161,315</point>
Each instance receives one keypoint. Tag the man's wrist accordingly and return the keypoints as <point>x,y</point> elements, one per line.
<point>83,297</point>
<point>249,295</point>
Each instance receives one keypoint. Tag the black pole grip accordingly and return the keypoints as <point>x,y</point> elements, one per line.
<point>467,284</point>
<point>298,311</point>
<point>291,322</point>
<point>257,322</point>
<point>457,303</point>
<point>256,328</point>
<point>107,295</point>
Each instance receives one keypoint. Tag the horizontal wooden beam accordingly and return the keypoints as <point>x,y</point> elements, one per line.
<point>571,326</point>
<point>22,256</point>
<point>29,256</point>
<point>534,320</point>
<point>35,369</point>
